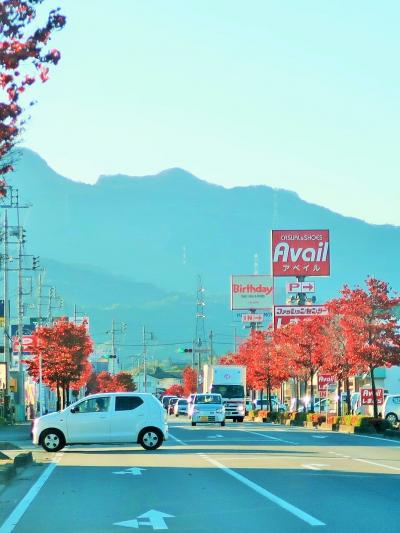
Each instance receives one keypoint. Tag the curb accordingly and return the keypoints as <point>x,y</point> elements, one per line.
<point>9,470</point>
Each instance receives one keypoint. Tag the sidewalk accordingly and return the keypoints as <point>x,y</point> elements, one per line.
<point>16,437</point>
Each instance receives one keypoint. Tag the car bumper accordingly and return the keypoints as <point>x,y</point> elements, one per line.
<point>207,417</point>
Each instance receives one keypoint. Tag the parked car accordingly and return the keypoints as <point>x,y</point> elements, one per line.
<point>276,406</point>
<point>171,405</point>
<point>104,418</point>
<point>181,407</point>
<point>208,408</point>
<point>391,409</point>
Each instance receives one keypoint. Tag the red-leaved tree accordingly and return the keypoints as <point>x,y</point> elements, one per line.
<point>25,56</point>
<point>189,381</point>
<point>105,382</point>
<point>175,390</point>
<point>64,349</point>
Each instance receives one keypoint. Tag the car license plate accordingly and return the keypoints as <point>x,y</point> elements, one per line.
<point>204,418</point>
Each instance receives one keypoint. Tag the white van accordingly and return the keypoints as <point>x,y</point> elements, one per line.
<point>391,408</point>
<point>104,418</point>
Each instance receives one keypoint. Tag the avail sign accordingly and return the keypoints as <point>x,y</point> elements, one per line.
<point>300,252</point>
<point>368,399</point>
<point>324,380</point>
<point>252,292</point>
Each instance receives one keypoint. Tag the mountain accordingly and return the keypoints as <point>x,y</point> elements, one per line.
<point>137,244</point>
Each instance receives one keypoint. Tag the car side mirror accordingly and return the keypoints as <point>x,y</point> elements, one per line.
<point>75,410</point>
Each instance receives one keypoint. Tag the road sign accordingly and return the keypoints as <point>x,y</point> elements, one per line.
<point>252,292</point>
<point>368,399</point>
<point>250,317</point>
<point>26,344</point>
<point>304,287</point>
<point>155,519</point>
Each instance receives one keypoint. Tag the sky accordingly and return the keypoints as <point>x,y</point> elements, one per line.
<point>297,95</point>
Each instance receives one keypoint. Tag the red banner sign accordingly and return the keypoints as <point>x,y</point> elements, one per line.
<point>368,399</point>
<point>300,253</point>
<point>324,380</point>
<point>26,344</point>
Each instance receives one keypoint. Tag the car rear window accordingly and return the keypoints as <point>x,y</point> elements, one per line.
<point>127,403</point>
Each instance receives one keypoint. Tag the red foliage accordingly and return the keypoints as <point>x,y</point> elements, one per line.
<point>123,382</point>
<point>189,381</point>
<point>105,382</point>
<point>175,390</point>
<point>24,56</point>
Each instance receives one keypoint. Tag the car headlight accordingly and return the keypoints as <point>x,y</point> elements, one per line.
<point>219,411</point>
<point>241,408</point>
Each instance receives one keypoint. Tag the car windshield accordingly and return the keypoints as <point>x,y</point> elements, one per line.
<point>182,402</point>
<point>228,391</point>
<point>208,398</point>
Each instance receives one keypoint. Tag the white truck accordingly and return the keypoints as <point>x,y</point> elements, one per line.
<point>230,382</point>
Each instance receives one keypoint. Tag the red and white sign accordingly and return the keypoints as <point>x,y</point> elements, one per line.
<point>300,252</point>
<point>304,287</point>
<point>368,399</point>
<point>252,318</point>
<point>324,380</point>
<point>252,292</point>
<point>26,344</point>
<point>291,314</point>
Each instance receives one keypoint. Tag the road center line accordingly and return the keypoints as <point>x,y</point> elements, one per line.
<point>269,437</point>
<point>311,520</point>
<point>23,505</point>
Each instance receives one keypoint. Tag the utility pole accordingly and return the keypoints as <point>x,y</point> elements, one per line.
<point>211,347</point>
<point>200,342</point>
<point>113,354</point>
<point>20,306</point>
<point>144,358</point>
<point>6,312</point>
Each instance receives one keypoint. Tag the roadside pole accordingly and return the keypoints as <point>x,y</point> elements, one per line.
<point>6,315</point>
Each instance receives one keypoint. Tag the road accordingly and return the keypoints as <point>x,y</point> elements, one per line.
<point>240,478</point>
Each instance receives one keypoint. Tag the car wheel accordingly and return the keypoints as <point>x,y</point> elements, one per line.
<point>52,440</point>
<point>150,438</point>
<point>177,415</point>
<point>193,423</point>
<point>223,423</point>
<point>392,418</point>
<point>240,419</point>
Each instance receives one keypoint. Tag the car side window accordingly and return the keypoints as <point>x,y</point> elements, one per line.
<point>94,405</point>
<point>127,403</point>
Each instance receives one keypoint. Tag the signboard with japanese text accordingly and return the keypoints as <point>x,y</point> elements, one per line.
<point>300,253</point>
<point>304,287</point>
<point>368,399</point>
<point>26,344</point>
<point>252,292</point>
<point>324,380</point>
<point>250,317</point>
<point>291,314</point>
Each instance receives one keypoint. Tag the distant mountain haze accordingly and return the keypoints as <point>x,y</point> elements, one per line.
<point>139,241</point>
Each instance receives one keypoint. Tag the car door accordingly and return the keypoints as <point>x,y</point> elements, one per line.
<point>89,420</point>
<point>128,418</point>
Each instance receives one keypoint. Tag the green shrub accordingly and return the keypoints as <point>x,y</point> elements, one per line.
<point>274,416</point>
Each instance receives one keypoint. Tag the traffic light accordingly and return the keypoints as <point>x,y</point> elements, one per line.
<point>185,350</point>
<point>35,262</point>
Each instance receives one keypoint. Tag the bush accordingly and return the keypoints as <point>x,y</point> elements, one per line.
<point>274,416</point>
<point>333,419</point>
<point>263,413</point>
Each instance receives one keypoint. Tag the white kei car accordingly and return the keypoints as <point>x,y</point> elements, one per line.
<point>207,408</point>
<point>104,418</point>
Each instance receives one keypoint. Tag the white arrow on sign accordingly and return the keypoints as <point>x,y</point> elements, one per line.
<point>155,520</point>
<point>132,471</point>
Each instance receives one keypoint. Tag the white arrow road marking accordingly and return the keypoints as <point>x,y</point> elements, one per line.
<point>319,436</point>
<point>314,466</point>
<point>132,471</point>
<point>155,520</point>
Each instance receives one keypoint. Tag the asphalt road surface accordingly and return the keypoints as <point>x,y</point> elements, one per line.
<point>240,478</point>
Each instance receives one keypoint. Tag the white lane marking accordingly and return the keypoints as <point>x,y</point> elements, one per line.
<point>377,464</point>
<point>155,520</point>
<point>135,471</point>
<point>269,437</point>
<point>375,438</point>
<point>311,520</point>
<point>179,441</point>
<point>23,505</point>
<point>313,466</point>
<point>319,436</point>
<point>340,455</point>
<point>215,437</point>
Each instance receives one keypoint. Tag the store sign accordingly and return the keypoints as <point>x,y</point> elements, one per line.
<point>3,376</point>
<point>367,397</point>
<point>324,380</point>
<point>26,342</point>
<point>252,292</point>
<point>300,253</point>
<point>291,314</point>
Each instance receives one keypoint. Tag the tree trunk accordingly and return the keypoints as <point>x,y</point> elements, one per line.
<point>339,394</point>
<point>269,395</point>
<point>58,397</point>
<point>297,394</point>
<point>348,399</point>
<point>371,369</point>
<point>261,398</point>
